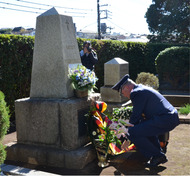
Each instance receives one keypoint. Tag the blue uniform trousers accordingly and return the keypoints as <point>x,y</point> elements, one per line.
<point>145,134</point>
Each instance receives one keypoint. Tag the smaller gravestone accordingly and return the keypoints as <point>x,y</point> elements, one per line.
<point>114,70</point>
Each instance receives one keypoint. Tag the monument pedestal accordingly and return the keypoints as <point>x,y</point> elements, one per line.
<point>52,132</point>
<point>48,156</point>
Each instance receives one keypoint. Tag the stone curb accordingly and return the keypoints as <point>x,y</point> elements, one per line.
<point>16,170</point>
<point>184,119</point>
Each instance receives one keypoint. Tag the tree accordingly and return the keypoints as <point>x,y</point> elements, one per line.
<point>6,31</point>
<point>168,20</point>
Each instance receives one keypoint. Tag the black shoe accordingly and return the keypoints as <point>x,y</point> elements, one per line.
<point>155,161</point>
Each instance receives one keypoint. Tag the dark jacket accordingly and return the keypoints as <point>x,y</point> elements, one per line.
<point>89,60</point>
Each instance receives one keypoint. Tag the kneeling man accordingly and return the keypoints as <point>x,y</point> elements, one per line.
<point>161,117</point>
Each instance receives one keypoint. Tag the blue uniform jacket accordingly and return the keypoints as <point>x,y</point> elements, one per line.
<point>149,102</point>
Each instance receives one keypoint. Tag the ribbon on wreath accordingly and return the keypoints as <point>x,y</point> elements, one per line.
<point>101,121</point>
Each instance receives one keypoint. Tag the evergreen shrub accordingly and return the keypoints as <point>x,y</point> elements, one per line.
<point>16,53</point>
<point>4,125</point>
<point>148,79</point>
<point>172,65</point>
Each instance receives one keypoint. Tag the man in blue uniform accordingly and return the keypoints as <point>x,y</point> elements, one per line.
<point>161,117</point>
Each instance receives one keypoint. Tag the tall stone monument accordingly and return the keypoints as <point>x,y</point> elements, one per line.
<point>50,123</point>
<point>55,48</point>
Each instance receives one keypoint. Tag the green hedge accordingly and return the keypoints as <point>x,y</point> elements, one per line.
<point>172,65</point>
<point>16,53</point>
<point>4,125</point>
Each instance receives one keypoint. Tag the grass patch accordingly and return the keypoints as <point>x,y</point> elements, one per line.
<point>185,109</point>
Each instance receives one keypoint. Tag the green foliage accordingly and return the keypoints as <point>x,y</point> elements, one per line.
<point>4,116</point>
<point>185,109</point>
<point>16,64</point>
<point>169,20</point>
<point>6,31</point>
<point>2,154</point>
<point>4,124</point>
<point>16,53</point>
<point>122,113</point>
<point>148,79</point>
<point>172,65</point>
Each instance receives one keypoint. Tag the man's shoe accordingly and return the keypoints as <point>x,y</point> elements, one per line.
<point>155,161</point>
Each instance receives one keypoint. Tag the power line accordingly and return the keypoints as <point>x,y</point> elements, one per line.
<point>38,8</point>
<point>22,6</point>
<point>52,5</point>
<point>119,26</point>
<point>88,25</point>
<point>29,11</point>
<point>18,10</point>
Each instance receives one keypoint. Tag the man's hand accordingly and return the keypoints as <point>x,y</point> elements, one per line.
<point>130,125</point>
<point>125,145</point>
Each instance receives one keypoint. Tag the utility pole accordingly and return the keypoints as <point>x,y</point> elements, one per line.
<point>107,12</point>
<point>98,14</point>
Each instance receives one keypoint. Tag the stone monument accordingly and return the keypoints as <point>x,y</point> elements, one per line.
<point>110,96</point>
<point>55,48</point>
<point>50,123</point>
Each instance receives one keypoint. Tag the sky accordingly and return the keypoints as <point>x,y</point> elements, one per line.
<point>124,16</point>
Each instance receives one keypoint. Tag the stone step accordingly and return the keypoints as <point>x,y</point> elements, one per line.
<point>17,170</point>
<point>178,100</point>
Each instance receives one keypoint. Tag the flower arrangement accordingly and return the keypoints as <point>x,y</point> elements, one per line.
<point>105,132</point>
<point>122,113</point>
<point>82,78</point>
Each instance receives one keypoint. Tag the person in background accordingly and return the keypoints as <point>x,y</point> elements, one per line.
<point>161,117</point>
<point>88,56</point>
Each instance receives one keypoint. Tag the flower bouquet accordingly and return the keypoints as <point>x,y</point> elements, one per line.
<point>82,78</point>
<point>105,133</point>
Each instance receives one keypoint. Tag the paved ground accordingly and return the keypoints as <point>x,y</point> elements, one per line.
<point>132,163</point>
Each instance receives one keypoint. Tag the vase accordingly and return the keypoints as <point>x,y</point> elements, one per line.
<point>102,159</point>
<point>81,93</point>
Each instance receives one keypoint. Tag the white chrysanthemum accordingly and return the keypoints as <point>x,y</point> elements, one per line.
<point>94,133</point>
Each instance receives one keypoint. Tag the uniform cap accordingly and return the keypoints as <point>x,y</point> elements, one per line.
<point>123,80</point>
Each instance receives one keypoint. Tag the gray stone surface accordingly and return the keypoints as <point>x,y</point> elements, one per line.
<point>110,95</point>
<point>37,121</point>
<point>54,49</point>
<point>114,70</point>
<point>16,170</point>
<point>47,156</point>
<point>52,122</point>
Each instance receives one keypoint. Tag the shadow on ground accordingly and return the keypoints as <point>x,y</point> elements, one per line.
<point>178,155</point>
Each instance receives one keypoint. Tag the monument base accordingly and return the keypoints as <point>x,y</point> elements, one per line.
<point>57,123</point>
<point>47,156</point>
<point>52,132</point>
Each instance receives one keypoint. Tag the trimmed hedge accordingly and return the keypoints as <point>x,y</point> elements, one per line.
<point>172,65</point>
<point>4,125</point>
<point>16,53</point>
